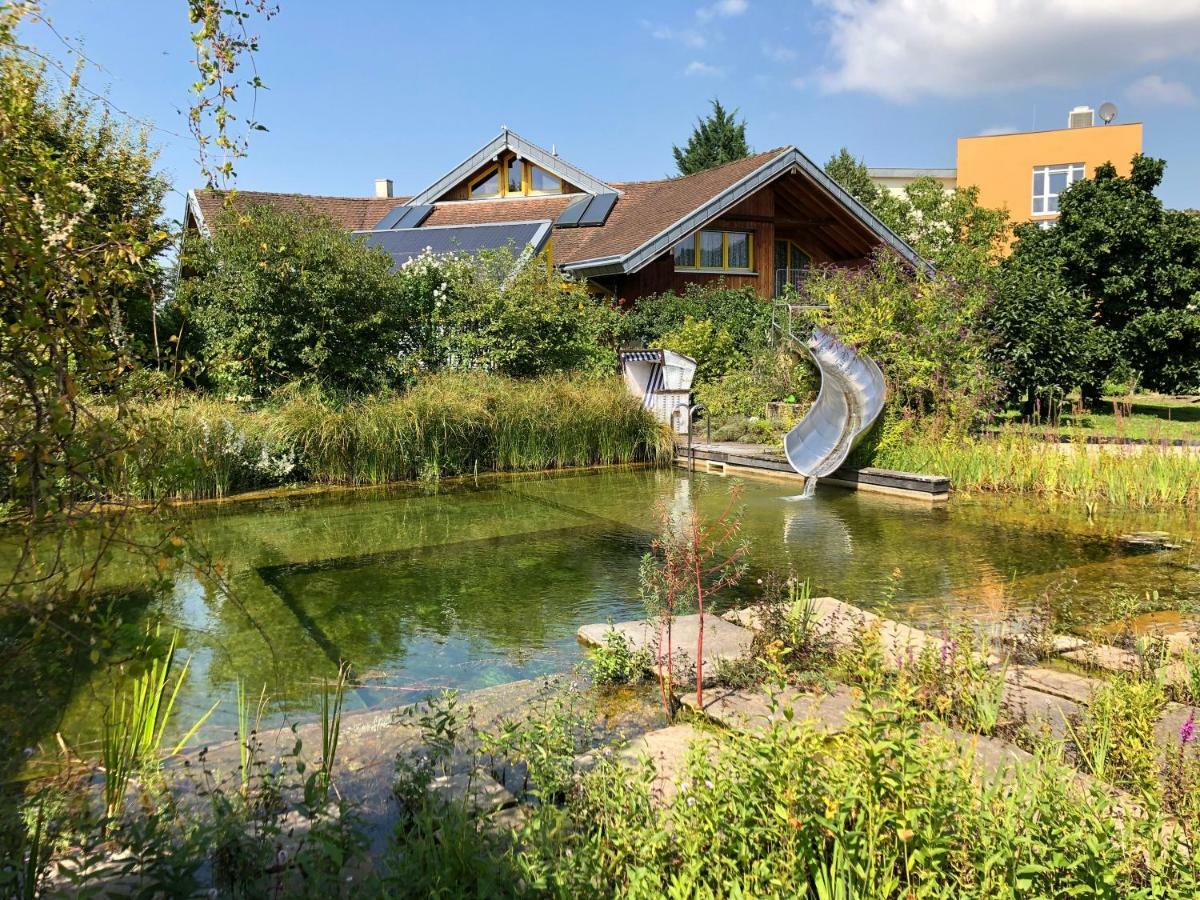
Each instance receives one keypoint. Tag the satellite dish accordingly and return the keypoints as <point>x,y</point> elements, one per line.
<point>1108,112</point>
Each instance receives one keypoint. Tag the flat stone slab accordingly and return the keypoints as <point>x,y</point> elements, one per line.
<point>1166,730</point>
<point>1054,682</point>
<point>843,621</point>
<point>1103,656</point>
<point>667,748</point>
<point>722,640</point>
<point>1036,710</point>
<point>751,710</point>
<point>1064,643</point>
<point>481,793</point>
<point>990,756</point>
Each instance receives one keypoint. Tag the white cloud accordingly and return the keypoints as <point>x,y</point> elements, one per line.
<point>778,52</point>
<point>724,8</point>
<point>999,129</point>
<point>689,37</point>
<point>1154,90</point>
<point>902,49</point>
<point>697,68</point>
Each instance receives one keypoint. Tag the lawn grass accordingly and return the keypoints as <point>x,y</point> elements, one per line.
<point>1142,417</point>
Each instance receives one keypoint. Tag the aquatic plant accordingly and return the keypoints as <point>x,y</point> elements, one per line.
<point>135,724</point>
<point>1138,477</point>
<point>444,425</point>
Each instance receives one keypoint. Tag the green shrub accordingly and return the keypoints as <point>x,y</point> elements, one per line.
<point>711,346</point>
<point>739,311</point>
<point>1115,737</point>
<point>769,374</point>
<point>515,317</point>
<point>615,662</point>
<point>276,296</point>
<point>925,333</point>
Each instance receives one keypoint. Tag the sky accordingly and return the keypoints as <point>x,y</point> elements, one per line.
<point>364,89</point>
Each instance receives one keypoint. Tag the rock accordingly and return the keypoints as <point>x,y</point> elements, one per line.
<point>843,622</point>
<point>1064,643</point>
<point>1104,656</point>
<point>1166,730</point>
<point>722,640</point>
<point>667,748</point>
<point>751,710</point>
<point>1067,685</point>
<point>1037,710</point>
<point>1148,541</point>
<point>481,793</point>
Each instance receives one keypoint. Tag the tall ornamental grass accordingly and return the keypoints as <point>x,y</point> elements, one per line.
<point>445,425</point>
<point>1141,477</point>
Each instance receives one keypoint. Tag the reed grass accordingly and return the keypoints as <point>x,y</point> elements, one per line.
<point>136,723</point>
<point>446,425</point>
<point>1137,477</point>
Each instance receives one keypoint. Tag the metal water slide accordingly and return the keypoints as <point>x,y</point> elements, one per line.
<point>850,400</point>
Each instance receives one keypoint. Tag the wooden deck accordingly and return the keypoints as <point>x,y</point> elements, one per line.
<point>757,460</point>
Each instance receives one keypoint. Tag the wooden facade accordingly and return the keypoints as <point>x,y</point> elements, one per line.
<point>789,208</point>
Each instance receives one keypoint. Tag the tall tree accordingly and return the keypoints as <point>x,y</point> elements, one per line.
<point>717,139</point>
<point>1139,266</point>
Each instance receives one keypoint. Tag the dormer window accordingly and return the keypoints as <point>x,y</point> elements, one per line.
<point>521,179</point>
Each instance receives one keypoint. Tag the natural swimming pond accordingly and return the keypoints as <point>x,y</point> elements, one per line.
<point>466,585</point>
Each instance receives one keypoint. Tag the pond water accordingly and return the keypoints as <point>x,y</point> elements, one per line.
<point>474,584</point>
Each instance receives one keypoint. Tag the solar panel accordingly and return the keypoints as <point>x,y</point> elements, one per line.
<point>408,243</point>
<point>597,211</point>
<point>570,216</point>
<point>415,216</point>
<point>404,216</point>
<point>395,214</point>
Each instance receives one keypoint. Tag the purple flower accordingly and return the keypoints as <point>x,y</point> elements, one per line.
<point>1187,731</point>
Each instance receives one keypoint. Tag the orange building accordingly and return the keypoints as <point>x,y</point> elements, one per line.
<point>1025,172</point>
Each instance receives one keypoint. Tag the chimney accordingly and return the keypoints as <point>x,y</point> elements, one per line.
<point>1081,117</point>
<point>383,187</point>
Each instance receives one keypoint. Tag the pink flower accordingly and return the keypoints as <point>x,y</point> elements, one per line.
<point>1187,731</point>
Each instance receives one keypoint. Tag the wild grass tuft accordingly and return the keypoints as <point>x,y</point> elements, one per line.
<point>445,425</point>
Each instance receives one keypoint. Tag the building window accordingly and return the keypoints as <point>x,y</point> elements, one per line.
<point>791,264</point>
<point>487,185</point>
<point>521,179</point>
<point>717,251</point>
<point>1049,182</point>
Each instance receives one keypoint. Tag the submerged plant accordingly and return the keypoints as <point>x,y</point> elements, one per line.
<point>136,723</point>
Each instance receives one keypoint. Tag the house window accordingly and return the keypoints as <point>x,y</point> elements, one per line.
<point>1049,182</point>
<point>521,179</point>
<point>719,251</point>
<point>790,265</point>
<point>487,185</point>
<point>542,182</point>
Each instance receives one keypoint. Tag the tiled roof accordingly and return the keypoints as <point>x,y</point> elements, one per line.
<point>352,213</point>
<point>644,209</point>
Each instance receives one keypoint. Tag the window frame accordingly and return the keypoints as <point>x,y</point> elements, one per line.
<point>694,241</point>
<point>794,250</point>
<point>500,170</point>
<point>1075,172</point>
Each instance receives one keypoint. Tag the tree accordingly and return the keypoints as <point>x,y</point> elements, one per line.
<point>1138,265</point>
<point>277,296</point>
<point>1046,343</point>
<point>716,140</point>
<point>949,228</point>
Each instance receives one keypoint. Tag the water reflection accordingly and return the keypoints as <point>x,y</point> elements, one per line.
<point>478,583</point>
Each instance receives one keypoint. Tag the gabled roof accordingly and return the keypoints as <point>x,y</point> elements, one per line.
<point>652,217</point>
<point>352,213</point>
<point>510,140</point>
<point>648,219</point>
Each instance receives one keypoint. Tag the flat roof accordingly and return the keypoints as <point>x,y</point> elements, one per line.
<point>911,173</point>
<point>984,137</point>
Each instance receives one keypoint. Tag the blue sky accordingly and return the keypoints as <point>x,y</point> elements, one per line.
<point>363,89</point>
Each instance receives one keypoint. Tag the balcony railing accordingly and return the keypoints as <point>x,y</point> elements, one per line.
<point>793,278</point>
